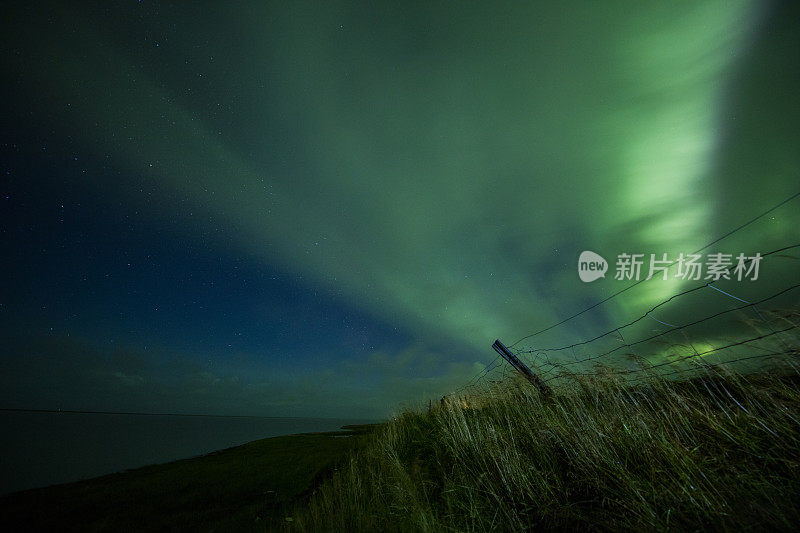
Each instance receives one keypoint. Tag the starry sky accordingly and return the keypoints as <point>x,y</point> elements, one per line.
<point>332,209</point>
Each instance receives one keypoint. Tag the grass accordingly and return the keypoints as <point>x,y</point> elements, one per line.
<point>720,451</point>
<point>245,488</point>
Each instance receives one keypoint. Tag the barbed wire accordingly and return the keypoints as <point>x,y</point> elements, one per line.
<point>663,333</point>
<point>621,291</point>
<point>550,370</point>
<point>683,358</point>
<point>647,313</point>
<point>706,366</point>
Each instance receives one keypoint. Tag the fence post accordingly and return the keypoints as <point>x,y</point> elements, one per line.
<point>514,361</point>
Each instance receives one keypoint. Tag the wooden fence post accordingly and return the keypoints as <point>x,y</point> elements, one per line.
<point>514,361</point>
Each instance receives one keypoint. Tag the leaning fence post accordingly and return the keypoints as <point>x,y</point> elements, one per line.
<point>514,361</point>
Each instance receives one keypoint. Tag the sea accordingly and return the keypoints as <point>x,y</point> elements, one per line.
<point>46,448</point>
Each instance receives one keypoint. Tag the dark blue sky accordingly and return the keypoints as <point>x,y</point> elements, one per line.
<point>91,268</point>
<point>92,275</point>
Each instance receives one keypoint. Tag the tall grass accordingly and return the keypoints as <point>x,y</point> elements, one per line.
<point>718,451</point>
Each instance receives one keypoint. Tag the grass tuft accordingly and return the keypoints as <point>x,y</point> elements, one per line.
<point>718,451</point>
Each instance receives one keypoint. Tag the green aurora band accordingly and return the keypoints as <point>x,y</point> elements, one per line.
<point>441,168</point>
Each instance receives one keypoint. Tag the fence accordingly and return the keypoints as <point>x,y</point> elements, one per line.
<point>772,335</point>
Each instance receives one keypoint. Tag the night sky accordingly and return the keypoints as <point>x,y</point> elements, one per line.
<point>329,209</point>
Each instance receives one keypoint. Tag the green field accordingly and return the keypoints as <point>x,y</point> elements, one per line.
<point>246,488</point>
<point>717,452</point>
<point>720,451</point>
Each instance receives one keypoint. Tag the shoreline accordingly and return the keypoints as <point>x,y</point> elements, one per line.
<point>49,448</point>
<point>239,486</point>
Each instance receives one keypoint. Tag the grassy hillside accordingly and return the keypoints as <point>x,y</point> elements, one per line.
<point>246,488</point>
<point>719,452</point>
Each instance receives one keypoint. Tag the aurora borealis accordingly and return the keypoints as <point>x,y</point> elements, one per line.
<point>327,209</point>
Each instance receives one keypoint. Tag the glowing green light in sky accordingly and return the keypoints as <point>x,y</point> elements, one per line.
<point>448,184</point>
